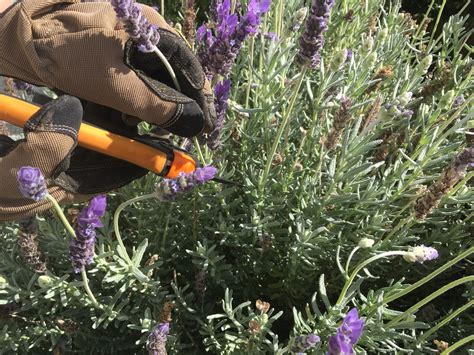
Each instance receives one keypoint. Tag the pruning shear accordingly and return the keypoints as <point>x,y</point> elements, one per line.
<point>155,155</point>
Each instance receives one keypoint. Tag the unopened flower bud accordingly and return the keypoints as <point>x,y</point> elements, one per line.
<point>338,59</point>
<point>3,283</point>
<point>383,34</point>
<point>405,98</point>
<point>447,99</point>
<point>44,281</point>
<point>426,63</point>
<point>371,59</point>
<point>421,254</point>
<point>366,243</point>
<point>299,18</point>
<point>367,44</point>
<point>298,167</point>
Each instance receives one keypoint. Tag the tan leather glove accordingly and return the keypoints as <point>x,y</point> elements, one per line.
<point>73,174</point>
<point>50,137</point>
<point>81,49</point>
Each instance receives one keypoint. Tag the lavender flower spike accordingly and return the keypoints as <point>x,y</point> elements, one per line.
<point>312,40</point>
<point>157,339</point>
<point>169,189</point>
<point>221,97</point>
<point>136,25</point>
<point>81,248</point>
<point>32,184</point>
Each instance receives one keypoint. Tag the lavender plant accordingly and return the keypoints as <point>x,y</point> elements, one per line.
<point>351,233</point>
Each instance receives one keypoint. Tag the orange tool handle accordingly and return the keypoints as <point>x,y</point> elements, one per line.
<point>17,112</point>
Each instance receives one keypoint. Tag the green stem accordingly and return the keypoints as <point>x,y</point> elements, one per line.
<point>360,267</point>
<point>284,122</point>
<point>445,321</point>
<point>85,281</point>
<point>168,67</point>
<point>458,344</point>
<point>249,82</point>
<point>429,277</point>
<point>438,18</point>
<point>61,215</point>
<point>162,8</point>
<point>428,299</point>
<point>199,151</point>
<point>425,17</point>
<point>116,221</point>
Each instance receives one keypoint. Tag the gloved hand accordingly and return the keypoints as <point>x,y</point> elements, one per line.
<point>82,50</point>
<point>73,174</point>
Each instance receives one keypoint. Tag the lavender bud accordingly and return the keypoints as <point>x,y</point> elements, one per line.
<point>339,58</point>
<point>425,64</point>
<point>365,243</point>
<point>367,45</point>
<point>305,342</point>
<point>420,254</point>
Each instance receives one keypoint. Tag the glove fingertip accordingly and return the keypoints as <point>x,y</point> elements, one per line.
<point>188,120</point>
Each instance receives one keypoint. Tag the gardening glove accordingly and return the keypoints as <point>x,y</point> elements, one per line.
<point>73,174</point>
<point>81,49</point>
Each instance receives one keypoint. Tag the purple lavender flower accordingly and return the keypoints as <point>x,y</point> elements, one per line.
<point>81,248</point>
<point>137,26</point>
<point>218,52</point>
<point>169,189</point>
<point>312,40</point>
<point>350,54</point>
<point>157,339</point>
<point>221,97</point>
<point>338,345</point>
<point>32,184</point>
<point>272,36</point>
<point>348,334</point>
<point>304,342</point>
<point>352,326</point>
<point>21,85</point>
<point>458,101</point>
<point>420,254</point>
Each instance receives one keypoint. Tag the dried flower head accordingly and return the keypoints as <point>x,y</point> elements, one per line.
<point>262,306</point>
<point>341,119</point>
<point>189,26</point>
<point>32,183</point>
<point>166,312</point>
<point>30,251</point>
<point>254,327</point>
<point>449,178</point>
<point>441,345</point>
